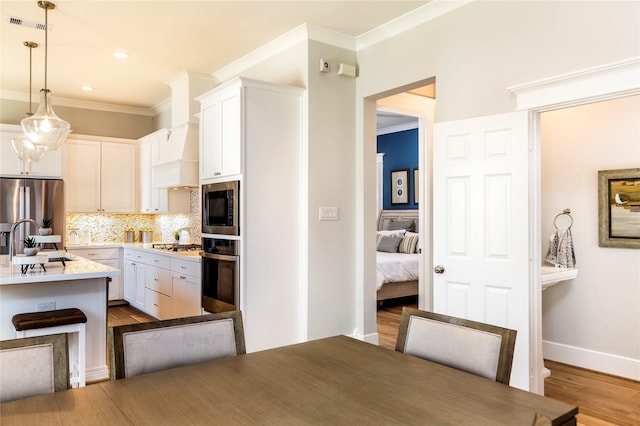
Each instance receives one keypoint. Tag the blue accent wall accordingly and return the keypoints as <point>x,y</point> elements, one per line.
<point>400,152</point>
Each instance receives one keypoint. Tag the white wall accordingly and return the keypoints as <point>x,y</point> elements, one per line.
<point>327,268</point>
<point>475,53</point>
<point>592,321</point>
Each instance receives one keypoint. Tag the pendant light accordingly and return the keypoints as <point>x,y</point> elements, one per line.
<point>45,129</point>
<point>20,145</point>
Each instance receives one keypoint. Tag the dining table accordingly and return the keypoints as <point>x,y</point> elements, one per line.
<point>332,381</point>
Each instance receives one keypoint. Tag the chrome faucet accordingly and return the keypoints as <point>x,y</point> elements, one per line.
<point>12,236</point>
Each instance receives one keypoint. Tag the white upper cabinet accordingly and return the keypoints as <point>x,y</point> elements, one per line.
<point>154,200</point>
<point>221,132</point>
<point>10,165</point>
<point>101,176</point>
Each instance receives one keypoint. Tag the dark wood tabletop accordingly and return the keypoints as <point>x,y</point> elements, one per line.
<point>333,381</point>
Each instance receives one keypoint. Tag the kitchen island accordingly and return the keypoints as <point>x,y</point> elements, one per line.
<point>80,283</point>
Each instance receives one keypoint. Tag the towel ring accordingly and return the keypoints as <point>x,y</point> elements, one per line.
<point>564,212</point>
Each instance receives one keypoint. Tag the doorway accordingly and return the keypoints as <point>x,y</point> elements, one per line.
<point>404,113</point>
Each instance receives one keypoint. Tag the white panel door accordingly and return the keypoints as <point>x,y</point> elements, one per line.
<point>480,225</point>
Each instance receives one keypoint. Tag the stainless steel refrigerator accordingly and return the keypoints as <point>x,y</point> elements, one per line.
<point>24,198</point>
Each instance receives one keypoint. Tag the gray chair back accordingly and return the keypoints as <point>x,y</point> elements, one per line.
<point>481,349</point>
<point>158,345</point>
<point>33,366</point>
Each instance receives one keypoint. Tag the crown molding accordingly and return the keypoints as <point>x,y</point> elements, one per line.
<point>411,19</point>
<point>264,52</point>
<point>397,128</point>
<point>300,34</point>
<point>608,81</point>
<point>80,104</point>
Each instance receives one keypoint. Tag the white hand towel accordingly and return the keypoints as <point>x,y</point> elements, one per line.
<point>561,252</point>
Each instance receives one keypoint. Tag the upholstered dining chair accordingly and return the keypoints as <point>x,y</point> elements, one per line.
<point>33,366</point>
<point>481,349</point>
<point>158,345</point>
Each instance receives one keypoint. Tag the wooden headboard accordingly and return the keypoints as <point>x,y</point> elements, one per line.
<point>387,216</point>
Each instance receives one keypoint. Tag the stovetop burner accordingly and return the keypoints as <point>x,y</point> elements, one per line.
<point>176,246</point>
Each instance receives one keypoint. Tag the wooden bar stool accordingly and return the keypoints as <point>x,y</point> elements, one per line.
<point>70,321</point>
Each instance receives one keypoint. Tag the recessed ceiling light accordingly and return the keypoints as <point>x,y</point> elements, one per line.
<point>87,88</point>
<point>120,55</point>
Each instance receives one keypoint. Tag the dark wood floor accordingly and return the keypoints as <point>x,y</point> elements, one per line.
<point>603,400</point>
<point>126,314</point>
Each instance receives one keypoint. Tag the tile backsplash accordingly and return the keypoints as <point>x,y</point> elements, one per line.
<point>106,228</point>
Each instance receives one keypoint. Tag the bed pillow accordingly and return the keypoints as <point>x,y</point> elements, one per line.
<point>389,244</point>
<point>395,233</point>
<point>419,245</point>
<point>400,224</point>
<point>409,243</point>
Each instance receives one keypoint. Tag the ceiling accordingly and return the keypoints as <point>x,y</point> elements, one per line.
<point>389,122</point>
<point>162,38</point>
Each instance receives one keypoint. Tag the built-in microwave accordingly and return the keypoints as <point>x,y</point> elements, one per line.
<point>220,205</point>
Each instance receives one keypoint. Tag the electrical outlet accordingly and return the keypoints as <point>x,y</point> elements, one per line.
<point>46,306</point>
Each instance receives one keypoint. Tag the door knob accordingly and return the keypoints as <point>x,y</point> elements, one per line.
<point>439,269</point>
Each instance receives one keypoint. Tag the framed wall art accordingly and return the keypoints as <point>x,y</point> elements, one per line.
<point>619,208</point>
<point>400,186</point>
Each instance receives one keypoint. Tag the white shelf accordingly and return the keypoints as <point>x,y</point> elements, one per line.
<point>46,239</point>
<point>553,275</point>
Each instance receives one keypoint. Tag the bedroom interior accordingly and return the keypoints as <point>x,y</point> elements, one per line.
<point>397,272</point>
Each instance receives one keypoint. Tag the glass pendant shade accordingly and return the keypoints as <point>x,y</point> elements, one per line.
<point>44,129</point>
<point>25,150</point>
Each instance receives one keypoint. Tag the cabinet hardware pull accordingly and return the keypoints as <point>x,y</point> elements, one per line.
<point>183,278</point>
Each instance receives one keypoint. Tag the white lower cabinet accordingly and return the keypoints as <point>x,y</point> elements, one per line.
<point>134,276</point>
<point>157,282</point>
<point>187,289</point>
<point>164,286</point>
<point>106,256</point>
<point>157,304</point>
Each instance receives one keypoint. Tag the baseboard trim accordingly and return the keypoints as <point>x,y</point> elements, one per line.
<point>97,374</point>
<point>598,361</point>
<point>369,338</point>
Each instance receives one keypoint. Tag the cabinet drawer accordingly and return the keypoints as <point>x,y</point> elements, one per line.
<point>158,279</point>
<point>157,304</point>
<point>159,260</point>
<point>185,267</point>
<point>134,255</point>
<point>96,253</point>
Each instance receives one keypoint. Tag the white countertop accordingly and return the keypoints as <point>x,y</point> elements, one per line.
<point>193,254</point>
<point>77,269</point>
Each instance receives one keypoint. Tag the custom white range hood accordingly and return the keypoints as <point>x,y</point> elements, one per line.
<point>177,165</point>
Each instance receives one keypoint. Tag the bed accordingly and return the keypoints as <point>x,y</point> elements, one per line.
<point>397,272</point>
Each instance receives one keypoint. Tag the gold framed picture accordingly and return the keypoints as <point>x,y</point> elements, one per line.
<point>619,208</point>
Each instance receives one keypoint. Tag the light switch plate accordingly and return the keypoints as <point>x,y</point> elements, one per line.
<point>328,213</point>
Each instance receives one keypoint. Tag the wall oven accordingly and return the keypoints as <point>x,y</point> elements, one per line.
<point>220,275</point>
<point>220,207</point>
